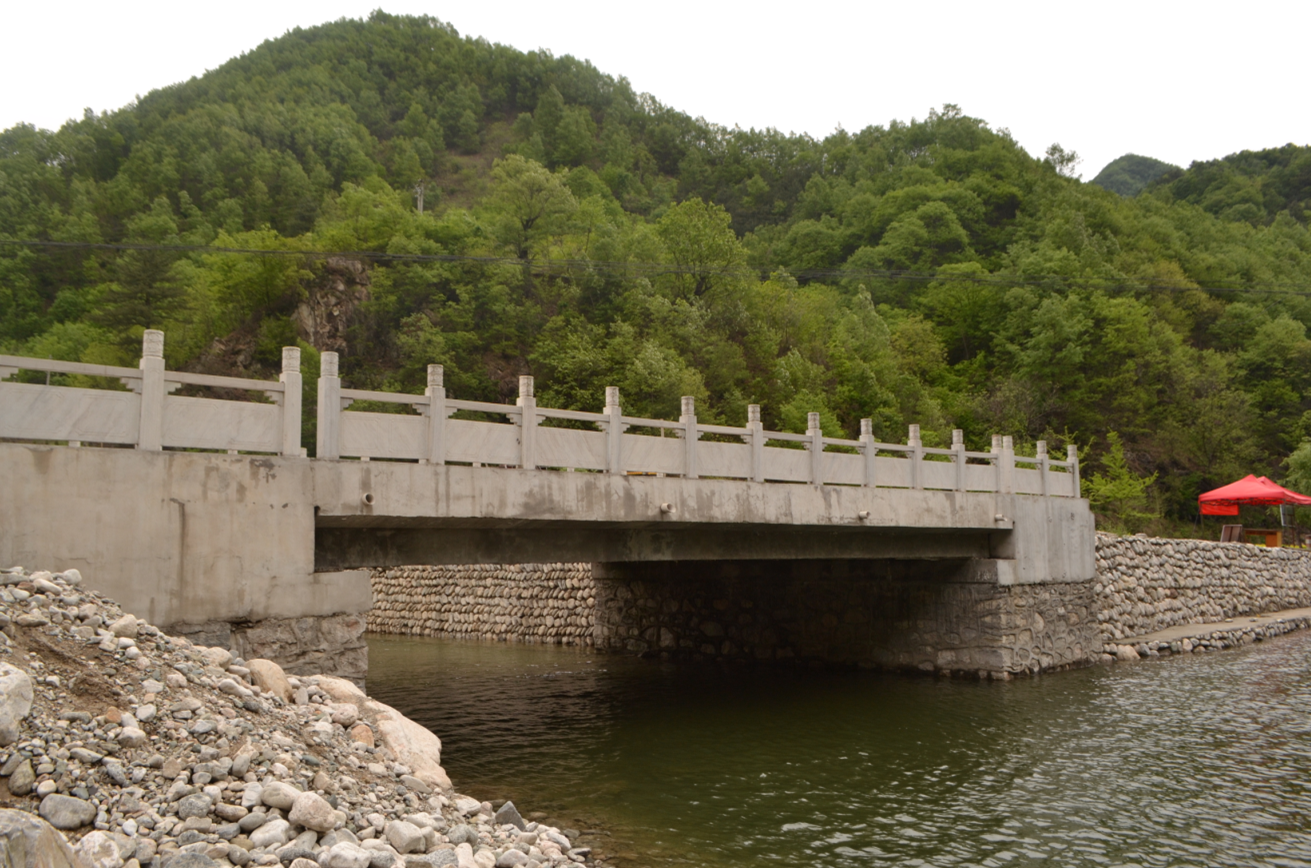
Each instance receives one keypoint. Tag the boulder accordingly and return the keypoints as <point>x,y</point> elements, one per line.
<point>508,815</point>
<point>29,842</point>
<point>23,780</point>
<point>99,850</point>
<point>270,678</point>
<point>405,837</point>
<point>344,854</point>
<point>313,812</point>
<point>276,794</point>
<point>67,812</point>
<point>274,833</point>
<point>128,626</point>
<point>15,702</point>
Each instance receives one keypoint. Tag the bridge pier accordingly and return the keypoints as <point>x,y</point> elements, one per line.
<point>951,616</point>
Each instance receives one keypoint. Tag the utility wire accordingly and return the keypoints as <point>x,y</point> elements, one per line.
<point>656,268</point>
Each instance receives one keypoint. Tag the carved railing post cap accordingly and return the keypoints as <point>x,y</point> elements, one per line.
<point>1072,452</point>
<point>866,427</point>
<point>1042,448</point>
<point>328,364</point>
<point>753,413</point>
<point>525,386</point>
<point>291,360</point>
<point>436,376</point>
<point>812,422</point>
<point>689,405</point>
<point>612,396</point>
<point>152,344</point>
<point>957,437</point>
<point>1007,442</point>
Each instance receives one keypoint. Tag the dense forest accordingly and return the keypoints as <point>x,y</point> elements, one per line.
<point>928,271</point>
<point>1128,175</point>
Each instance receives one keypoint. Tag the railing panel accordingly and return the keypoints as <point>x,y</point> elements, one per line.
<point>381,435</point>
<point>1062,483</point>
<point>786,465</point>
<point>646,454</point>
<point>482,442</point>
<point>726,460</point>
<point>892,472</point>
<point>844,468</point>
<point>938,474</point>
<point>207,423</point>
<point>570,447</point>
<point>980,477</point>
<point>32,412</point>
<point>1027,481</point>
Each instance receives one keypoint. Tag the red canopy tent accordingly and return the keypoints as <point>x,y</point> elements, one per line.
<point>1248,491</point>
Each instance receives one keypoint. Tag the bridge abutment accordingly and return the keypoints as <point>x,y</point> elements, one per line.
<point>949,616</point>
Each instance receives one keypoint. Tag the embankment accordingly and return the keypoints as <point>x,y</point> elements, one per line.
<point>149,751</point>
<point>1143,586</point>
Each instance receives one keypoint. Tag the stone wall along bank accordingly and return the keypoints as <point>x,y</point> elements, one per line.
<point>1144,585</point>
<point>329,645</point>
<point>552,604</point>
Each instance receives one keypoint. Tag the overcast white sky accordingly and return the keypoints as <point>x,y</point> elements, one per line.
<point>1177,81</point>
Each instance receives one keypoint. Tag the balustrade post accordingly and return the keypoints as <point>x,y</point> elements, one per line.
<point>690,436</point>
<point>1043,466</point>
<point>816,447</point>
<point>1007,464</point>
<point>437,414</point>
<point>1072,456</point>
<point>527,424</point>
<point>756,439</point>
<point>327,441</point>
<point>996,461</point>
<point>870,450</point>
<point>958,446</point>
<point>150,429</point>
<point>916,456</point>
<point>290,400</point>
<point>614,430</point>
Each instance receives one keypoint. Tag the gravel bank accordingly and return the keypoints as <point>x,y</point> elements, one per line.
<point>151,752</point>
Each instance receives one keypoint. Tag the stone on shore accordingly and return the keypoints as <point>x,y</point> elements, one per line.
<point>67,812</point>
<point>15,702</point>
<point>29,842</point>
<point>99,850</point>
<point>313,812</point>
<point>270,678</point>
<point>507,814</point>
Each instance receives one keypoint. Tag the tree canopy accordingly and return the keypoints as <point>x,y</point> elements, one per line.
<point>926,271</point>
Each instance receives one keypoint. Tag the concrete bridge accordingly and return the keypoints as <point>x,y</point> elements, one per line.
<point>205,514</point>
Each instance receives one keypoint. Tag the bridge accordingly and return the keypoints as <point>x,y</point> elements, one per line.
<point>198,508</point>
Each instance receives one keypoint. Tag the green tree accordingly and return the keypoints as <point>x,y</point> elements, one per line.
<point>1119,494</point>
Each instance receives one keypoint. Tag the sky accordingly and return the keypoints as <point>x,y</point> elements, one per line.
<point>1176,81</point>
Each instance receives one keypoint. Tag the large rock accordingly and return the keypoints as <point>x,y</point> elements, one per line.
<point>23,780</point>
<point>270,678</point>
<point>313,812</point>
<point>410,743</point>
<point>344,854</point>
<point>66,812</point>
<point>99,850</point>
<point>190,860</point>
<point>15,702</point>
<point>507,814</point>
<point>274,833</point>
<point>276,794</point>
<point>28,842</point>
<point>195,805</point>
<point>405,837</point>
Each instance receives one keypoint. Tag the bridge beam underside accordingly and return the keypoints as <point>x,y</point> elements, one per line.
<point>339,548</point>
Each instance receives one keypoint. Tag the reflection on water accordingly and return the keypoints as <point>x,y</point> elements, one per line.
<point>1201,761</point>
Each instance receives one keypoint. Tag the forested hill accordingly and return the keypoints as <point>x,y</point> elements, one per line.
<point>928,271</point>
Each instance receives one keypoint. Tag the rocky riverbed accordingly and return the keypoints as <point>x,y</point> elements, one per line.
<point>147,751</point>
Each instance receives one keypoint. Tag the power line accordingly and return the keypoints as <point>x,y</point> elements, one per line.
<point>662,268</point>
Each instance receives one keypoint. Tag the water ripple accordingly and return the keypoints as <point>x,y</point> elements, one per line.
<point>1203,761</point>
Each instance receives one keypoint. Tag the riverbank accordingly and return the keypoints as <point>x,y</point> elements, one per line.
<point>147,751</point>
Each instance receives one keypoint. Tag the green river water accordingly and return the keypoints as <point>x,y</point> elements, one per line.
<point>1197,761</point>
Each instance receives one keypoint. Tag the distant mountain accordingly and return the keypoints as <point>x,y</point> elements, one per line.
<point>1128,175</point>
<point>1250,186</point>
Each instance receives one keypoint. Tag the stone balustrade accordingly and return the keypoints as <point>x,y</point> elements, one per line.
<point>430,431</point>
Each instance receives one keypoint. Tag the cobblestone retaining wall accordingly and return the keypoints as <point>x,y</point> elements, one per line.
<point>1145,584</point>
<point>550,604</point>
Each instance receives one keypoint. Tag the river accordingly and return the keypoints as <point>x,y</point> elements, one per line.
<point>1202,760</point>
